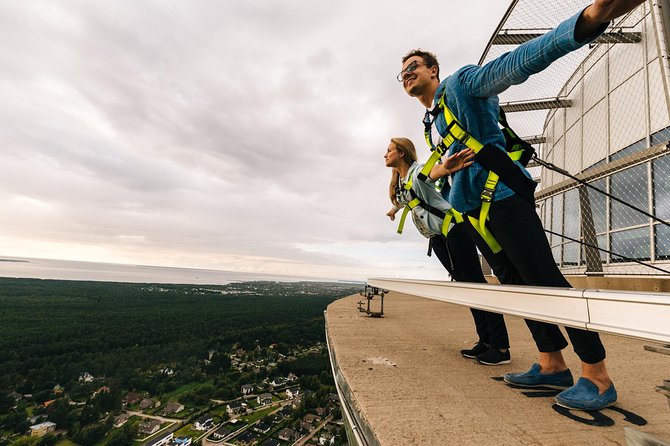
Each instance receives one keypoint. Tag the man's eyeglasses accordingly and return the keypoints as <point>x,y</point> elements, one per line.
<point>410,68</point>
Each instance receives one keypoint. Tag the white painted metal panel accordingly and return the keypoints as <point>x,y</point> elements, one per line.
<point>636,314</point>
<point>640,315</point>
<point>649,38</point>
<point>658,110</point>
<point>559,305</point>
<point>558,159</point>
<point>573,154</point>
<point>575,111</point>
<point>627,113</point>
<point>559,122</point>
<point>595,139</point>
<point>595,84</point>
<point>625,60</point>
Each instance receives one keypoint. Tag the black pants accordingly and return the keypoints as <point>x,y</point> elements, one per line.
<point>526,259</point>
<point>458,255</point>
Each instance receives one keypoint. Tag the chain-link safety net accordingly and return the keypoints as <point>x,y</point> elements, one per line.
<point>600,122</point>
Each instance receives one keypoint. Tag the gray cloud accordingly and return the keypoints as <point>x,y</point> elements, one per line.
<point>239,134</point>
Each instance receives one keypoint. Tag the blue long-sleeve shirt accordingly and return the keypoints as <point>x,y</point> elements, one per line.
<point>471,94</point>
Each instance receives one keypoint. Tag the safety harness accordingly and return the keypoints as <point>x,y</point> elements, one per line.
<point>500,165</point>
<point>446,216</point>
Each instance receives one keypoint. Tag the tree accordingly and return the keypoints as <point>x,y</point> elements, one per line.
<point>48,440</point>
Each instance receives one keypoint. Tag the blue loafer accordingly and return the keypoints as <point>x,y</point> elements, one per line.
<point>533,378</point>
<point>584,396</point>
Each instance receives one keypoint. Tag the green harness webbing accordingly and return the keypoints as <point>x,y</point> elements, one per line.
<point>456,132</point>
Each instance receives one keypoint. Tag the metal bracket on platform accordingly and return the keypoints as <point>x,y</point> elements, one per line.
<point>369,293</point>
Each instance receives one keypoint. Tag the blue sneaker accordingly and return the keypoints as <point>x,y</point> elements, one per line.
<point>533,378</point>
<point>584,396</point>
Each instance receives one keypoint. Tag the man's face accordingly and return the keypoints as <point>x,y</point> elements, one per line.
<point>416,76</point>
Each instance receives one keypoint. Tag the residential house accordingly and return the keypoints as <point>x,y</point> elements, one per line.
<point>234,408</point>
<point>149,427</point>
<point>221,433</point>
<point>182,441</point>
<point>326,439</point>
<point>132,398</point>
<point>121,419</point>
<point>48,403</point>
<point>161,440</point>
<point>264,399</point>
<point>86,377</point>
<point>320,412</point>
<point>262,427</point>
<point>247,437</point>
<point>203,422</point>
<point>41,429</point>
<point>247,389</point>
<point>305,427</point>
<point>293,392</point>
<point>286,411</point>
<point>310,418</point>
<point>103,389</point>
<point>275,419</point>
<point>277,382</point>
<point>149,403</point>
<point>287,434</point>
<point>37,419</point>
<point>271,442</point>
<point>172,407</point>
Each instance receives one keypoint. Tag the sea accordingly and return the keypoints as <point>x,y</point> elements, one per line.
<point>31,268</point>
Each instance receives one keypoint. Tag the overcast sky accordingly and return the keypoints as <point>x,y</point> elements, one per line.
<point>239,135</point>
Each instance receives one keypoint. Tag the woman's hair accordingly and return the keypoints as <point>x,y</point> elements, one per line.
<point>406,148</point>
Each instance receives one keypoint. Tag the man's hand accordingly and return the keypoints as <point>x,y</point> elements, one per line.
<point>460,160</point>
<point>600,12</point>
<point>452,164</point>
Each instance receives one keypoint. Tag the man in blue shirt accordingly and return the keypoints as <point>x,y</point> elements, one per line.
<point>526,259</point>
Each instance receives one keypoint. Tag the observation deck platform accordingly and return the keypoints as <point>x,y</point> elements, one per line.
<point>404,380</point>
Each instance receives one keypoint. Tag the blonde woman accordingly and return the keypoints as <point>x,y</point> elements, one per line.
<point>456,251</point>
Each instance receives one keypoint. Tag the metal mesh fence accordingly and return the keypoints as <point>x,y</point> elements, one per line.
<point>601,114</point>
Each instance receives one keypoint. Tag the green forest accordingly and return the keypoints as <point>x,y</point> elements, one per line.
<point>128,335</point>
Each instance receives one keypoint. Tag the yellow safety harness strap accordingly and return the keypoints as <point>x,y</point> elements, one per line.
<point>455,132</point>
<point>452,214</point>
<point>485,234</point>
<point>486,197</point>
<point>411,205</point>
<point>489,187</point>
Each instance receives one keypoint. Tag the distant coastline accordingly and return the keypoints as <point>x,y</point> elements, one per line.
<point>34,268</point>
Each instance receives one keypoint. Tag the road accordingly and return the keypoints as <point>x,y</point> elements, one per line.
<point>313,432</point>
<point>155,417</point>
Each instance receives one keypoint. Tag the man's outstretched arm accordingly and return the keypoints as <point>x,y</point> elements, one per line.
<point>535,55</point>
<point>602,11</point>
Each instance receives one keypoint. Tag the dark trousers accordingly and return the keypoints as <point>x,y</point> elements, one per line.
<point>458,255</point>
<point>526,259</point>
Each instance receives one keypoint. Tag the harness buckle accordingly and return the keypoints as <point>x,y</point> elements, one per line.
<point>487,194</point>
<point>463,139</point>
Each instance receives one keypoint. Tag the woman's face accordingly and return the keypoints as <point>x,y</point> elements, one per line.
<point>393,157</point>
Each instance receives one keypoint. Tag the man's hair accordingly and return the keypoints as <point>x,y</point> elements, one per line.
<point>428,58</point>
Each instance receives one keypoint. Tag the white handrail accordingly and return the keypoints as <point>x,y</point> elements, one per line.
<point>641,315</point>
